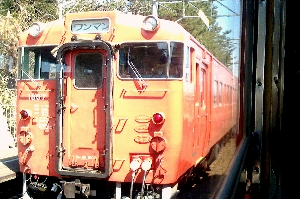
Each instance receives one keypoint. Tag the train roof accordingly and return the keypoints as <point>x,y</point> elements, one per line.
<point>122,27</point>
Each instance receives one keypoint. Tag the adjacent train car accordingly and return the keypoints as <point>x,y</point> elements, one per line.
<point>118,105</point>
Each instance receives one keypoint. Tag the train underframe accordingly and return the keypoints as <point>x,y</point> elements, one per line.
<point>35,186</point>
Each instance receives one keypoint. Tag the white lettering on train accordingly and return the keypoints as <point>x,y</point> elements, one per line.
<point>38,96</point>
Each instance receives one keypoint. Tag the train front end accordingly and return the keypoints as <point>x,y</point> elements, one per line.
<point>95,104</point>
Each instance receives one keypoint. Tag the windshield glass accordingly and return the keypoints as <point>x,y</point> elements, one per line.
<point>151,60</point>
<point>37,63</point>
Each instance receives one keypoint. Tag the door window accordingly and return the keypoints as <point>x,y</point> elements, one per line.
<point>88,70</point>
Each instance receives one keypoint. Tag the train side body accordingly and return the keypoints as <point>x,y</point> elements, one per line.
<point>141,129</point>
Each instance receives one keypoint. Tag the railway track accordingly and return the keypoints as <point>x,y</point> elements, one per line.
<point>11,189</point>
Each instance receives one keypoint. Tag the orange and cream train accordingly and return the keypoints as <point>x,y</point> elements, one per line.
<point>118,105</point>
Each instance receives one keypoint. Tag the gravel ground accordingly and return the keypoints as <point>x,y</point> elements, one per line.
<point>208,184</point>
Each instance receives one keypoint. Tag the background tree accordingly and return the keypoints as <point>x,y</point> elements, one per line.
<point>15,17</point>
<point>212,37</point>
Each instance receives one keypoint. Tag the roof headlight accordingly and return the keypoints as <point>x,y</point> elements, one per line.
<point>150,23</point>
<point>36,29</point>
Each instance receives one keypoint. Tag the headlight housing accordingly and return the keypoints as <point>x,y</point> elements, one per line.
<point>150,23</point>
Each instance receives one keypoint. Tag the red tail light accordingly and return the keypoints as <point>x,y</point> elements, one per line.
<point>158,118</point>
<point>25,114</point>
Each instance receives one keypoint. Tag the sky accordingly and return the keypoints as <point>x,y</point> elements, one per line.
<point>229,19</point>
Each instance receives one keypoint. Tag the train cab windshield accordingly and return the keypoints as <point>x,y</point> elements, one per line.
<point>151,60</point>
<point>37,63</point>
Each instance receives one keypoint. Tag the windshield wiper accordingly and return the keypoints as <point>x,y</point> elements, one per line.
<point>136,72</point>
<point>31,78</point>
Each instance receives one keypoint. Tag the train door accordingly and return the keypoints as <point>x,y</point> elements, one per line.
<point>197,110</point>
<point>84,135</point>
<point>203,107</point>
<point>201,110</point>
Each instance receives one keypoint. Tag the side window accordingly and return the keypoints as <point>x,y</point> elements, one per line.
<point>176,56</point>
<point>215,91</point>
<point>202,88</point>
<point>220,93</point>
<point>88,70</point>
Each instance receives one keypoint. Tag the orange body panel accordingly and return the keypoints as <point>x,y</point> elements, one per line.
<point>39,97</point>
<point>129,104</point>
